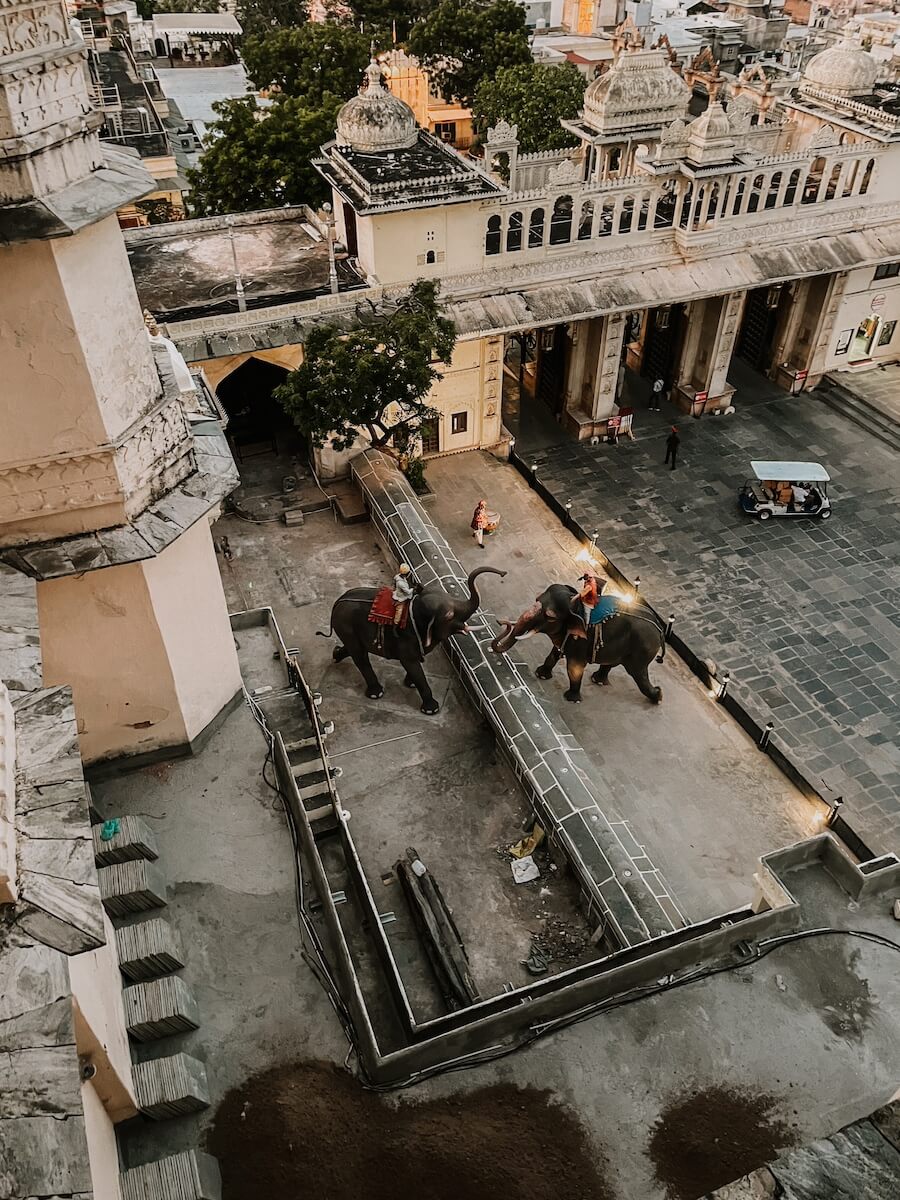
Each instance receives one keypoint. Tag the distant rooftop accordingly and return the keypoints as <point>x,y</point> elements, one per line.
<point>429,170</point>
<point>186,269</point>
<point>196,23</point>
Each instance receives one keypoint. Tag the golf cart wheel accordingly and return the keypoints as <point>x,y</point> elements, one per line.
<point>824,514</point>
<point>764,514</point>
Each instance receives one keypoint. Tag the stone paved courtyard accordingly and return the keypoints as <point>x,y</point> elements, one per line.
<point>803,613</point>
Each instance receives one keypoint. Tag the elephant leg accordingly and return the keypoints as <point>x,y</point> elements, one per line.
<point>545,670</point>
<point>339,653</point>
<point>576,671</point>
<point>415,674</point>
<point>360,656</point>
<point>601,676</point>
<point>409,681</point>
<point>642,679</point>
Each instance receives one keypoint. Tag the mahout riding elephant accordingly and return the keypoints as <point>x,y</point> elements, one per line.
<point>434,616</point>
<point>630,639</point>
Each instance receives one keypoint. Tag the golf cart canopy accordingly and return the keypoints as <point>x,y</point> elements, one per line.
<point>792,472</point>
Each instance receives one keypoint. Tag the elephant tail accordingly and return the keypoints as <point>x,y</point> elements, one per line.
<point>326,633</point>
<point>662,643</point>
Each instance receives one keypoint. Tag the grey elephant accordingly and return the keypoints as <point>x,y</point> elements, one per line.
<point>434,616</point>
<point>630,639</point>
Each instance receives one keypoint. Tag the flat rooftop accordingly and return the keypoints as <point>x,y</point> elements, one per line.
<point>187,268</point>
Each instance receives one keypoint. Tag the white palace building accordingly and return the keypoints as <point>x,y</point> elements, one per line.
<point>661,244</point>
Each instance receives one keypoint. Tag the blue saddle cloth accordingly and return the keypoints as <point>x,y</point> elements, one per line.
<point>603,609</point>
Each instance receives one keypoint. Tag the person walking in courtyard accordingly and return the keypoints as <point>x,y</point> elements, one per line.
<point>479,522</point>
<point>673,441</point>
<point>656,393</point>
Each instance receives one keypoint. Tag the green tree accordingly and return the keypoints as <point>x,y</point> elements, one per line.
<point>260,157</point>
<point>535,98</point>
<point>381,18</point>
<point>462,42</point>
<point>186,6</point>
<point>376,378</point>
<point>261,16</point>
<point>308,61</point>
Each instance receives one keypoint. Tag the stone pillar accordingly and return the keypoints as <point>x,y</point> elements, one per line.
<point>104,495</point>
<point>816,328</point>
<point>8,890</point>
<point>713,326</point>
<point>606,383</point>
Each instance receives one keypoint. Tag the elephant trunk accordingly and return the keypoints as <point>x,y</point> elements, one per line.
<point>468,610</point>
<point>516,630</point>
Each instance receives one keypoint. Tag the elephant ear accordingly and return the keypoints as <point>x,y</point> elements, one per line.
<point>552,614</point>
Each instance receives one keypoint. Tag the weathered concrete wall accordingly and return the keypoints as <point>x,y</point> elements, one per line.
<point>573,807</point>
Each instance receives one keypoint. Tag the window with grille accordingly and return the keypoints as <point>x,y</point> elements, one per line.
<point>459,422</point>
<point>430,436</point>
<point>887,270</point>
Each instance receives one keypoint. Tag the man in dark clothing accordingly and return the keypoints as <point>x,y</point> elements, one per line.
<point>656,393</point>
<point>672,443</point>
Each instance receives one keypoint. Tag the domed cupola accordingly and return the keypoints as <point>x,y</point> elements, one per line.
<point>710,141</point>
<point>639,90</point>
<point>842,70</point>
<point>376,121</point>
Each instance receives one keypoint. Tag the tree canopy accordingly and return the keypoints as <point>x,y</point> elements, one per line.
<point>309,61</point>
<point>535,98</point>
<point>261,16</point>
<point>462,42</point>
<point>381,17</point>
<point>375,378</point>
<point>260,157</point>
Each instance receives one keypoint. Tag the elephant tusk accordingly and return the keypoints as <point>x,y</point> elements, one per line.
<point>524,636</point>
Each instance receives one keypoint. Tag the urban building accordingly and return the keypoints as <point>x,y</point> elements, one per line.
<point>446,119</point>
<point>663,245</point>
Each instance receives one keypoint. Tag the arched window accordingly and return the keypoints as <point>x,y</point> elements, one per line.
<point>756,193</point>
<point>586,220</point>
<point>492,237</point>
<point>613,161</point>
<point>850,177</point>
<point>867,177</point>
<point>430,256</point>
<point>606,219</point>
<point>714,198</point>
<point>774,188</point>
<point>701,195</point>
<point>665,207</point>
<point>536,228</point>
<point>561,221</point>
<point>790,194</point>
<point>686,201</point>
<point>644,211</point>
<point>739,195</point>
<point>626,215</point>
<point>833,181</point>
<point>514,232</point>
<point>813,181</point>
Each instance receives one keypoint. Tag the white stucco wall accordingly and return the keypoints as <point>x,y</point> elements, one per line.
<point>103,1154</point>
<point>865,297</point>
<point>100,1025</point>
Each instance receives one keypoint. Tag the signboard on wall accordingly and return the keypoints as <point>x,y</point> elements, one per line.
<point>843,343</point>
<point>878,301</point>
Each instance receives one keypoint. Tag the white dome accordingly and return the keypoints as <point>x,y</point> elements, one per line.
<point>375,120</point>
<point>639,89</point>
<point>710,139</point>
<point>842,70</point>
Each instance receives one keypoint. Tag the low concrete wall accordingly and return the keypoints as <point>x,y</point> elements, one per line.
<point>571,803</point>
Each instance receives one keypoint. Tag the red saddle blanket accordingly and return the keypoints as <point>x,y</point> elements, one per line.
<point>382,610</point>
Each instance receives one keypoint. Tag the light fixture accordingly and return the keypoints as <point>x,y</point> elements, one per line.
<point>835,811</point>
<point>568,506</point>
<point>766,734</point>
<point>663,314</point>
<point>773,295</point>
<point>726,677</point>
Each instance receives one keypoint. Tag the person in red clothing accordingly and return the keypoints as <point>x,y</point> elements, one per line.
<point>589,594</point>
<point>479,522</point>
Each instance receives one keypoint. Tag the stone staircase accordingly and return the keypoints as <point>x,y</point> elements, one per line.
<point>875,421</point>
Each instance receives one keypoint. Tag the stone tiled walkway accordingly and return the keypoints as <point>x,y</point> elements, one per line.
<point>805,614</point>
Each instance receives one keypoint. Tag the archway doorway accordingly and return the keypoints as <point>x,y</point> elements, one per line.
<point>257,424</point>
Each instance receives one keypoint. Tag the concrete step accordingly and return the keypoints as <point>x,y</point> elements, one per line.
<point>148,949</point>
<point>841,400</point>
<point>131,838</point>
<point>310,742</point>
<point>170,1087</point>
<point>160,1008</point>
<point>190,1175</point>
<point>131,887</point>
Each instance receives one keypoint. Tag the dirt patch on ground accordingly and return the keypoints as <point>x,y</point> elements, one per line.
<point>706,1139</point>
<point>309,1129</point>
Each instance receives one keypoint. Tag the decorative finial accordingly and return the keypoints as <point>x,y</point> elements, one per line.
<point>150,322</point>
<point>374,74</point>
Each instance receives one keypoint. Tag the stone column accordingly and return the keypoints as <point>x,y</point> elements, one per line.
<point>606,383</point>
<point>817,325</point>
<point>713,326</point>
<point>105,495</point>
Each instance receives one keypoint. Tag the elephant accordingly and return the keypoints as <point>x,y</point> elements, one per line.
<point>434,616</point>
<point>630,640</point>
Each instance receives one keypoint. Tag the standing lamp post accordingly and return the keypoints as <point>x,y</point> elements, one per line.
<point>238,282</point>
<point>332,268</point>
